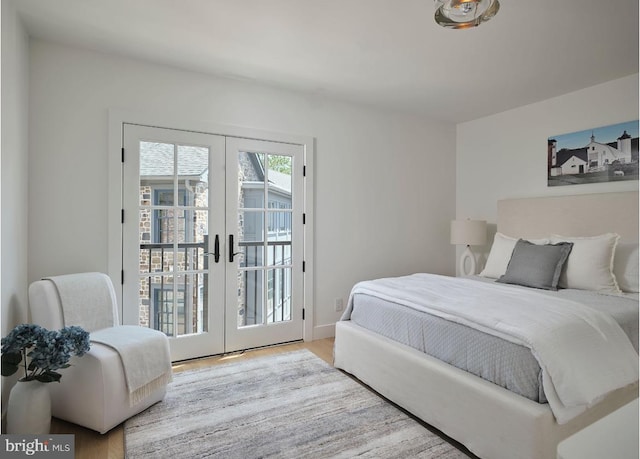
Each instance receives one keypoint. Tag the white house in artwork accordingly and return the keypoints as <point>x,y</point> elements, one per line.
<point>566,161</point>
<point>574,165</point>
<point>601,154</point>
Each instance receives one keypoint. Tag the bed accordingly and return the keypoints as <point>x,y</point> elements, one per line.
<point>494,421</point>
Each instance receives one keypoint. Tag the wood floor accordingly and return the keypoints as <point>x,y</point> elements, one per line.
<point>92,445</point>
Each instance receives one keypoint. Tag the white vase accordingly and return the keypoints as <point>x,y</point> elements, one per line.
<point>29,408</point>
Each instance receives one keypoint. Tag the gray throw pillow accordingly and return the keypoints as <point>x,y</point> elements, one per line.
<point>537,266</point>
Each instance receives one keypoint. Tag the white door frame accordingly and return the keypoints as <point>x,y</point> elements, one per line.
<point>117,118</point>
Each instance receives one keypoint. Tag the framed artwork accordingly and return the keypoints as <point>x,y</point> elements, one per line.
<point>603,154</point>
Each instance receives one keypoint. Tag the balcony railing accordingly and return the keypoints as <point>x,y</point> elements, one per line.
<point>157,261</point>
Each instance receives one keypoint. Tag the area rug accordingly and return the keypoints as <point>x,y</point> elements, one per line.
<point>291,405</point>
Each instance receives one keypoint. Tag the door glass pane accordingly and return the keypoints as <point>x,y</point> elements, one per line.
<point>173,221</point>
<point>251,254</point>
<point>279,226</point>
<point>157,303</point>
<point>144,314</point>
<point>155,258</point>
<point>279,177</point>
<point>251,225</point>
<point>265,233</point>
<point>192,292</point>
<point>193,162</point>
<point>250,180</point>
<point>278,295</point>
<point>250,297</point>
<point>156,160</point>
<point>251,238</point>
<point>279,254</point>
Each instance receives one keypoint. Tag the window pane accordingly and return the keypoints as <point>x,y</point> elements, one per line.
<point>163,225</point>
<point>164,197</point>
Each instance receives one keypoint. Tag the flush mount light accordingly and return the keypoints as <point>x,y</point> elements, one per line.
<point>463,14</point>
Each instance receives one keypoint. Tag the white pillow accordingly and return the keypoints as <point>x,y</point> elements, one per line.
<point>500,255</point>
<point>590,263</point>
<point>625,267</point>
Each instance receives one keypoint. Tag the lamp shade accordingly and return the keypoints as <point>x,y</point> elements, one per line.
<point>468,232</point>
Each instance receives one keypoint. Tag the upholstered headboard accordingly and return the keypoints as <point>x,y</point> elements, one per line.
<point>577,215</point>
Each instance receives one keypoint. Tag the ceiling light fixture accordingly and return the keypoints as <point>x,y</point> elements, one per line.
<point>464,14</point>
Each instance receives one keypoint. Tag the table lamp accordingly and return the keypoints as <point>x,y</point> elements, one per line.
<point>468,232</point>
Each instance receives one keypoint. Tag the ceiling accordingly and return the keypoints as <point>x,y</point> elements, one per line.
<point>382,53</point>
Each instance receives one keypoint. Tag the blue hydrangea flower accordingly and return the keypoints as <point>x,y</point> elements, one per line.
<point>22,336</point>
<point>43,351</point>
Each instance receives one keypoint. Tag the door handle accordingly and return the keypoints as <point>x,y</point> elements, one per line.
<point>231,249</point>
<point>216,249</point>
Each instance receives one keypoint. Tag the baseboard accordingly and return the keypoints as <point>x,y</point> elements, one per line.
<point>324,331</point>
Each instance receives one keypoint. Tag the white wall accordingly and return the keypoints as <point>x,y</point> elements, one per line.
<point>14,160</point>
<point>385,182</point>
<point>505,155</point>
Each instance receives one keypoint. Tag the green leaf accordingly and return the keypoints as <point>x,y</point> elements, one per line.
<point>13,358</point>
<point>8,370</point>
<point>49,376</point>
<point>10,362</point>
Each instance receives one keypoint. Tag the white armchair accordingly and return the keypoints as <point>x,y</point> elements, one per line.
<point>95,392</point>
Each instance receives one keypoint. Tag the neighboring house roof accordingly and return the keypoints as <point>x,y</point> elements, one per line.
<point>156,160</point>
<point>280,180</point>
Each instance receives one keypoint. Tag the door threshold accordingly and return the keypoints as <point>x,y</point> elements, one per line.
<point>235,353</point>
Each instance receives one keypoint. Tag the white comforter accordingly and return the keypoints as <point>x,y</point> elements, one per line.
<point>583,353</point>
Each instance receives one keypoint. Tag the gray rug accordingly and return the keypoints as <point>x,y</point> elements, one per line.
<point>291,405</point>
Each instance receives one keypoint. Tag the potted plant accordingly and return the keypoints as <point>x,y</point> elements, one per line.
<point>41,353</point>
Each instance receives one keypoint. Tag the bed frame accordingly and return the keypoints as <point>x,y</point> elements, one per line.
<point>489,420</point>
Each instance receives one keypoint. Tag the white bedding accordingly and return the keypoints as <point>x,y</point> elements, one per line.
<point>583,353</point>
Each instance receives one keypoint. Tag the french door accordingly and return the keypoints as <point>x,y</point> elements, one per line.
<point>264,228</point>
<point>212,239</point>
